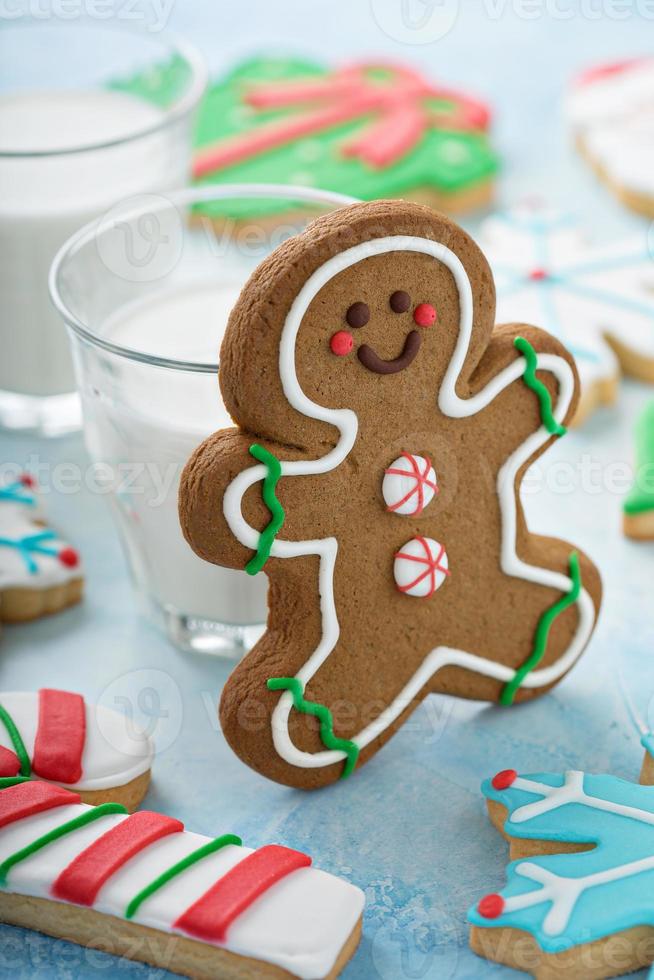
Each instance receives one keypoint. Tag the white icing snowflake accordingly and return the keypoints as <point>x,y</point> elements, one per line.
<point>599,301</point>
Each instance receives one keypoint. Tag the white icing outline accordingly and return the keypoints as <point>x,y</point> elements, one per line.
<point>346,422</point>
<point>563,893</point>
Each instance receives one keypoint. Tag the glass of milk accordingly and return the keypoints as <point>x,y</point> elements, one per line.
<point>146,291</point>
<point>89,115</point>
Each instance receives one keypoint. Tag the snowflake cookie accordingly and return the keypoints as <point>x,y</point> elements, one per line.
<point>143,887</point>
<point>611,111</point>
<point>383,428</point>
<point>579,898</point>
<point>56,735</point>
<point>598,300</point>
<point>39,573</point>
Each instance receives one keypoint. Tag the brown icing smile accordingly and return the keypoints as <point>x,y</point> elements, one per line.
<point>371,360</point>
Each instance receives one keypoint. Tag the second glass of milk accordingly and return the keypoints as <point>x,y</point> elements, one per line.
<point>146,292</point>
<point>89,115</point>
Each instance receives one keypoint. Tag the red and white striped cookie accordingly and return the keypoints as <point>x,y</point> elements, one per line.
<point>152,891</point>
<point>55,735</point>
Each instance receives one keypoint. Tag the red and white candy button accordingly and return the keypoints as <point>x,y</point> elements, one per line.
<point>421,567</point>
<point>409,485</point>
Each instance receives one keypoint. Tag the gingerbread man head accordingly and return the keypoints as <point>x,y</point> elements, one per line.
<point>383,427</point>
<point>347,328</point>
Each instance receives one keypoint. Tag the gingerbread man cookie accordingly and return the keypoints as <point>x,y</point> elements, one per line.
<point>391,426</point>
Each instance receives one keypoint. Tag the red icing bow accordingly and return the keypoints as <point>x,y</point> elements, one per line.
<point>395,99</point>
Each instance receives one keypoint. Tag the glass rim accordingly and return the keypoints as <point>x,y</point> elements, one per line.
<point>180,108</point>
<point>180,198</point>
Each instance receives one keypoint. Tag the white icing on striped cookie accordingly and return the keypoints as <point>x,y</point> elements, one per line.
<point>300,923</point>
<point>114,752</point>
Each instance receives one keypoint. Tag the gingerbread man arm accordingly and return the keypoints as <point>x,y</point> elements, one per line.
<point>208,482</point>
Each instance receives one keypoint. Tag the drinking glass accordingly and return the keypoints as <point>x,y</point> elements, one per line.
<point>90,114</point>
<point>145,293</point>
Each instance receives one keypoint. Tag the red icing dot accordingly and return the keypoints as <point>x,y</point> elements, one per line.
<point>424,315</point>
<point>491,906</point>
<point>27,480</point>
<point>504,779</point>
<point>341,343</point>
<point>68,557</point>
<point>537,275</point>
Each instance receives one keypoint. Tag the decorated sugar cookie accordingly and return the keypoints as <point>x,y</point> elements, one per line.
<point>56,735</point>
<point>611,110</point>
<point>638,508</point>
<point>20,495</point>
<point>39,572</point>
<point>598,300</point>
<point>372,608</point>
<point>143,887</point>
<point>366,130</point>
<point>579,898</point>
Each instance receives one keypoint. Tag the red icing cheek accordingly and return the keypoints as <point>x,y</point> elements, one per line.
<point>424,315</point>
<point>341,343</point>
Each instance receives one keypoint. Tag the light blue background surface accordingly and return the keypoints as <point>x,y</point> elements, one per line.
<point>410,827</point>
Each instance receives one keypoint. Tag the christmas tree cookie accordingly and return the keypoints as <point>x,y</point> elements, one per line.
<point>638,508</point>
<point>145,888</point>
<point>367,131</point>
<point>579,900</point>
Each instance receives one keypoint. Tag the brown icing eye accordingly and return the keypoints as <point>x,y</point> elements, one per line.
<point>357,315</point>
<point>400,301</point>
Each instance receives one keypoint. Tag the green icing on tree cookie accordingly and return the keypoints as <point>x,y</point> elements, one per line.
<point>641,497</point>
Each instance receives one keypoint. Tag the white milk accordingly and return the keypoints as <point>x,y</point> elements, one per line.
<point>153,418</point>
<point>44,199</point>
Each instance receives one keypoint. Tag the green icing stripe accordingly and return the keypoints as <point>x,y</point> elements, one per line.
<point>324,715</point>
<point>641,497</point>
<point>267,536</point>
<point>16,741</point>
<point>66,828</point>
<point>537,386</point>
<point>176,869</point>
<point>7,781</point>
<point>543,630</point>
